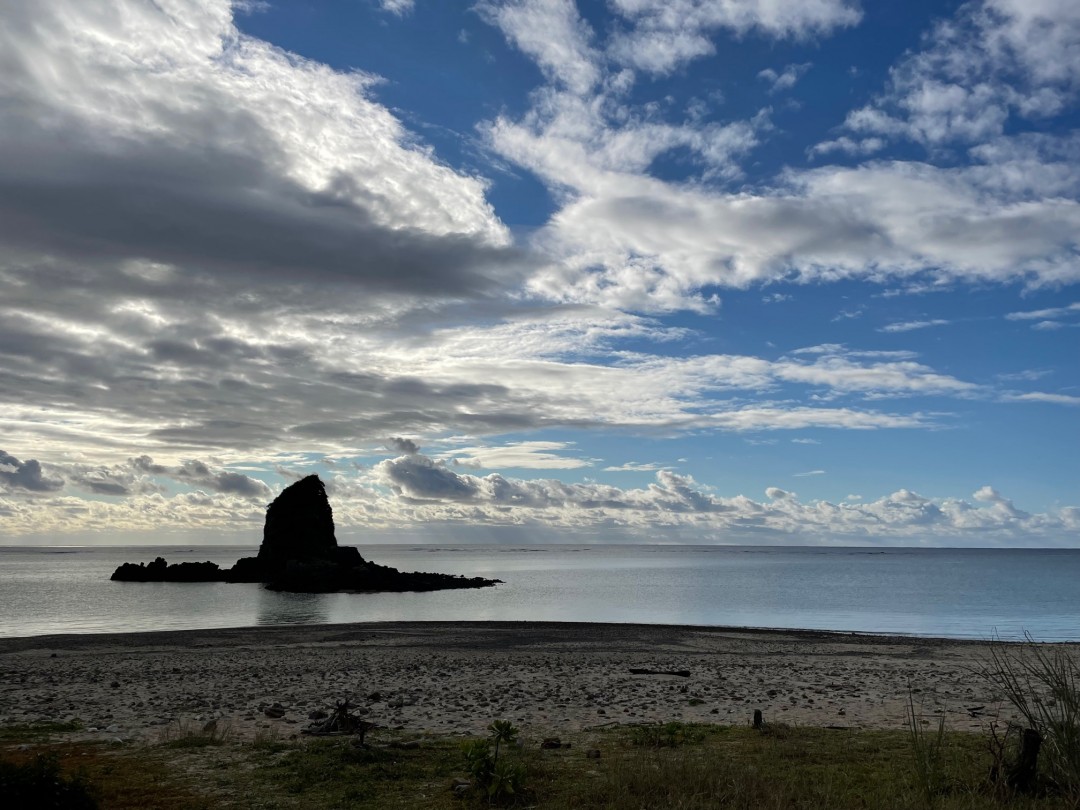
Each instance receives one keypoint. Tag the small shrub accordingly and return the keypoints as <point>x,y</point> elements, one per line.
<point>478,759</point>
<point>1043,683</point>
<point>190,735</point>
<point>41,784</point>
<point>499,779</point>
<point>268,740</point>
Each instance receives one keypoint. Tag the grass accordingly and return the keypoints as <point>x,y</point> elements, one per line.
<point>183,734</point>
<point>674,765</point>
<point>1043,683</point>
<point>928,753</point>
<point>666,735</point>
<point>24,732</point>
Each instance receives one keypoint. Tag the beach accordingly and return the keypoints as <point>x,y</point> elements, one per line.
<point>454,678</point>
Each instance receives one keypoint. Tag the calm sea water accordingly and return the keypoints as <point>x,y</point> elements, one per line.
<point>930,592</point>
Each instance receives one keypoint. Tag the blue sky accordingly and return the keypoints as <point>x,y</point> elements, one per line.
<point>712,271</point>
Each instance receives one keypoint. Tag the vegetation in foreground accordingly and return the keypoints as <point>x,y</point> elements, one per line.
<point>668,766</point>
<point>673,765</point>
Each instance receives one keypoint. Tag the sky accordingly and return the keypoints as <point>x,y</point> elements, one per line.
<point>527,271</point>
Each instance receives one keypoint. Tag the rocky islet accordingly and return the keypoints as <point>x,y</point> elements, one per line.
<point>300,553</point>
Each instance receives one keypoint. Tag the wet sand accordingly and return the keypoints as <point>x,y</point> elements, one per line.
<point>455,678</point>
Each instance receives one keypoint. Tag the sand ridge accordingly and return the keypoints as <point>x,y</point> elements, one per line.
<point>454,678</point>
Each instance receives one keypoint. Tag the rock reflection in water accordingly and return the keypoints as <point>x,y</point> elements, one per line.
<point>281,607</point>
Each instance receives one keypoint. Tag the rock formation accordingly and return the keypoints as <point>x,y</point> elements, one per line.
<point>300,553</point>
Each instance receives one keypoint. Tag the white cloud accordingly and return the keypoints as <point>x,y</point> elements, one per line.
<point>625,239</point>
<point>399,7</point>
<point>808,473</point>
<point>659,51</point>
<point>278,168</point>
<point>1041,314</point>
<point>987,494</point>
<point>639,243</point>
<point>553,34</point>
<point>634,466</point>
<point>665,34</point>
<point>1027,375</point>
<point>910,326</point>
<point>860,147</point>
<point>993,60</point>
<point>234,229</point>
<point>534,455</point>
<point>786,79</point>
<point>415,490</point>
<point>1042,396</point>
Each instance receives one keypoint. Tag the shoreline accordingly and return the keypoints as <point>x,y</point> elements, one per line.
<point>177,635</point>
<point>128,638</point>
<point>453,678</point>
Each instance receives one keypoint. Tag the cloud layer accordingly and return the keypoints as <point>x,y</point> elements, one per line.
<point>222,263</point>
<point>414,489</point>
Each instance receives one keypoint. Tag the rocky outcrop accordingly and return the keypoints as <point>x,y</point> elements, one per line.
<point>161,571</point>
<point>299,550</point>
<point>299,525</point>
<point>300,553</point>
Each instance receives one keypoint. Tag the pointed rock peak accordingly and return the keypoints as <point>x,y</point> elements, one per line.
<point>299,523</point>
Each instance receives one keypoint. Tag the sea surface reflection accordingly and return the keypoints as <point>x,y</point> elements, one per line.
<point>277,607</point>
<point>969,593</point>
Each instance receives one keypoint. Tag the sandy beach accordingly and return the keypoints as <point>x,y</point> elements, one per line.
<point>454,678</point>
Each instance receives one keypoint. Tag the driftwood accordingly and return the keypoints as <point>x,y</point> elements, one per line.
<point>340,723</point>
<point>682,673</point>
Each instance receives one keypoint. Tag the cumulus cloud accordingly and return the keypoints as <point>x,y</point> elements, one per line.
<point>665,34</point>
<point>992,61</point>
<point>415,490</point>
<point>785,79</point>
<point>398,7</point>
<point>258,259</point>
<point>26,475</point>
<point>627,239</point>
<point>401,445</point>
<point>422,477</point>
<point>552,33</point>
<point>644,244</point>
<point>123,480</point>
<point>214,150</point>
<point>198,474</point>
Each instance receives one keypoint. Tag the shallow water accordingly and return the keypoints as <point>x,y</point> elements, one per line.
<point>969,593</point>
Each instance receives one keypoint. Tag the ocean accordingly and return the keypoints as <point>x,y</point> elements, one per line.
<point>968,593</point>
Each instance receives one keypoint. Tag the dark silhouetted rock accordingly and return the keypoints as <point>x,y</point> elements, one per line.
<point>299,526</point>
<point>299,553</point>
<point>161,571</point>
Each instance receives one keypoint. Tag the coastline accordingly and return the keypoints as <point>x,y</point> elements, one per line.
<point>451,678</point>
